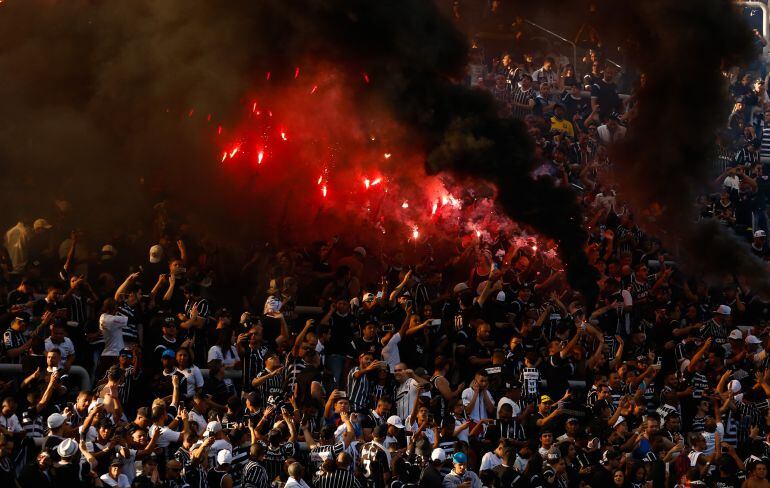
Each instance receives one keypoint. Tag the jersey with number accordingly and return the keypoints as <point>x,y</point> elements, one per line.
<point>374,463</point>
<point>530,383</point>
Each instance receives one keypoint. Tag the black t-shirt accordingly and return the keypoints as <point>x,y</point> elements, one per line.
<point>374,463</point>
<point>341,328</point>
<point>607,96</point>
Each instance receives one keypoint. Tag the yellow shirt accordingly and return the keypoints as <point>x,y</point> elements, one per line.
<point>562,125</point>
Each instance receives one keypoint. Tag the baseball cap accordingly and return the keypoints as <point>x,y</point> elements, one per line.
<point>41,224</point>
<point>459,288</point>
<point>751,339</point>
<point>545,398</point>
<point>610,454</point>
<point>572,420</point>
<point>368,297</point>
<point>55,420</point>
<point>459,458</point>
<point>395,421</point>
<point>66,448</point>
<point>438,454</point>
<point>734,386</point>
<point>212,428</point>
<point>736,335</point>
<point>116,461</point>
<point>156,254</point>
<point>760,233</point>
<point>108,252</point>
<point>360,250</point>
<point>723,310</point>
<point>224,456</point>
<point>128,352</point>
<point>168,353</point>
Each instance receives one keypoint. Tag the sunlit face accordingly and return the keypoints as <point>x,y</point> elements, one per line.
<point>618,478</point>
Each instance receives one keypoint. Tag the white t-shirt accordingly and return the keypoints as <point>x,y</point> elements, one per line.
<point>194,379</point>
<point>167,436</point>
<point>405,395</point>
<point>215,352</point>
<point>112,330</point>
<point>11,423</point>
<point>121,482</point>
<point>479,409</point>
<point>709,437</point>
<point>390,352</point>
<point>67,349</point>
<point>489,461</point>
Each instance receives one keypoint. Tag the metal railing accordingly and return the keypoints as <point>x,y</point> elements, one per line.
<point>557,36</point>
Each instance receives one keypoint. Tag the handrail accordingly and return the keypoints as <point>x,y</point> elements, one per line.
<point>574,46</point>
<point>75,370</point>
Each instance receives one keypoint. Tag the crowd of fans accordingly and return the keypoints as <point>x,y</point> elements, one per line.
<point>331,365</point>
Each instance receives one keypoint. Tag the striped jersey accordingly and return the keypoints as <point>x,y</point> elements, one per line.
<point>240,458</point>
<point>337,479</point>
<point>254,475</point>
<point>359,391</point>
<point>523,97</point>
<point>131,329</point>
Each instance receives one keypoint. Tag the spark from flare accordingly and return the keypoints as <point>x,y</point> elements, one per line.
<point>415,233</point>
<point>296,72</point>
<point>387,155</point>
<point>260,156</point>
<point>405,204</point>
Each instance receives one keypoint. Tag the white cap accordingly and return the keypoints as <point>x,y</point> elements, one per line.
<point>224,456</point>
<point>459,288</point>
<point>41,224</point>
<point>368,297</point>
<point>724,310</point>
<point>108,252</point>
<point>395,421</point>
<point>438,454</point>
<point>734,386</point>
<point>360,250</point>
<point>156,254</point>
<point>212,428</point>
<point>501,296</point>
<point>619,421</point>
<point>736,335</point>
<point>67,448</point>
<point>752,339</point>
<point>760,233</point>
<point>55,420</point>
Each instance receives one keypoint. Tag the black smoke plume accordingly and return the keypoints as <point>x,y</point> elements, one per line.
<point>95,92</point>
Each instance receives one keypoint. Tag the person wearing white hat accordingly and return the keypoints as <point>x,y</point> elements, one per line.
<point>431,475</point>
<point>41,225</point>
<point>219,476</point>
<point>717,326</point>
<point>214,430</point>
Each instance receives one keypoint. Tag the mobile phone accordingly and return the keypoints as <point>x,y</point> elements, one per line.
<point>388,328</point>
<point>342,394</point>
<point>379,294</point>
<point>435,322</point>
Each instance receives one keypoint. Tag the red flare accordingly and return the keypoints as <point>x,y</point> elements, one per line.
<point>376,181</point>
<point>435,207</point>
<point>320,179</point>
<point>224,156</point>
<point>254,107</point>
<point>219,129</point>
<point>323,191</point>
<point>387,155</point>
<point>315,88</point>
<point>478,234</point>
<point>296,72</point>
<point>366,78</point>
<point>283,136</point>
<point>367,183</point>
<point>415,233</point>
<point>208,118</point>
<point>191,112</point>
<point>405,205</point>
<point>235,151</point>
<point>260,156</point>
<point>268,76</point>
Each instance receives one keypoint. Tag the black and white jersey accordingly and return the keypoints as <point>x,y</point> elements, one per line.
<point>240,458</point>
<point>12,339</point>
<point>252,362</point>
<point>359,391</point>
<point>321,452</point>
<point>271,390</point>
<point>275,456</point>
<point>131,329</point>
<point>337,479</point>
<point>254,476</point>
<point>374,464</point>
